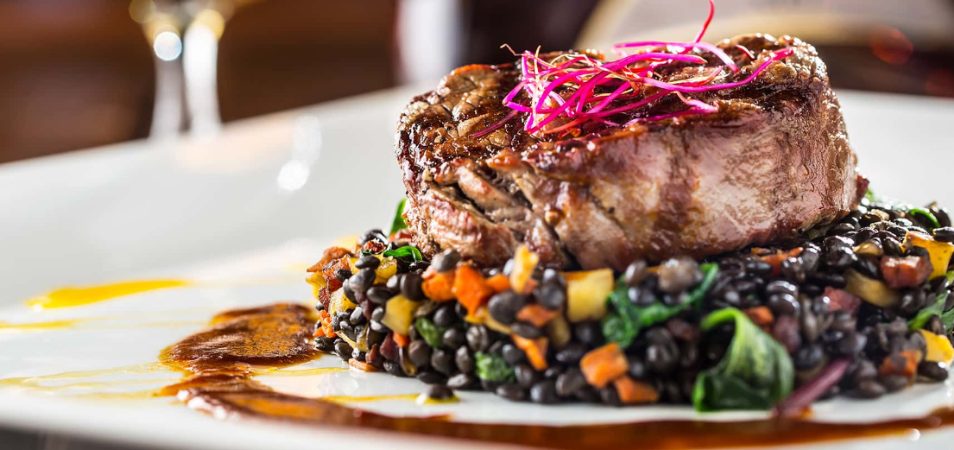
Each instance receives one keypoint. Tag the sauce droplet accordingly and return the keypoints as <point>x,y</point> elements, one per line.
<point>69,297</point>
<point>38,326</point>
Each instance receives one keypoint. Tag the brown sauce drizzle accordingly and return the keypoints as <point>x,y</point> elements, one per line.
<point>219,362</point>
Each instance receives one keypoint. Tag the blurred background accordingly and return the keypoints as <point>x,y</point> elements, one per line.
<point>83,73</point>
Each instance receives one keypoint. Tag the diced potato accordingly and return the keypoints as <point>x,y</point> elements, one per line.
<point>871,290</point>
<point>339,303</point>
<point>938,348</point>
<point>317,282</point>
<point>586,293</point>
<point>386,270</point>
<point>524,261</point>
<point>940,251</point>
<point>399,314</point>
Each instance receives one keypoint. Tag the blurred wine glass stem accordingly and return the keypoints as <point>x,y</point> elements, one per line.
<point>184,36</point>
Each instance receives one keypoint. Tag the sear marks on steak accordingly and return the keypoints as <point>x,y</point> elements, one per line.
<point>772,162</point>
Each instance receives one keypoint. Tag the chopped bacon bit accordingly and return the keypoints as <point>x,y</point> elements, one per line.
<point>535,349</point>
<point>439,286</point>
<point>632,392</point>
<point>907,271</point>
<point>471,288</point>
<point>761,316</point>
<point>842,300</point>
<point>602,365</point>
<point>536,315</point>
<point>775,259</point>
<point>373,246</point>
<point>330,254</point>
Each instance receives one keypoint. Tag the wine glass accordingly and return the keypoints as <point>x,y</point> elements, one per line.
<point>184,36</point>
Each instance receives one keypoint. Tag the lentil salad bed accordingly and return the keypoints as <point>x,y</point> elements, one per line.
<point>861,307</point>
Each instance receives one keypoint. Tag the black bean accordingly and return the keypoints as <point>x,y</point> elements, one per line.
<point>609,396</point>
<point>932,371</point>
<point>637,369</point>
<point>431,377</point>
<point>324,344</point>
<point>838,242</point>
<point>367,262</point>
<point>843,321</point>
<point>901,221</point>
<point>635,272</point>
<point>453,338</point>
<point>860,370</point>
<point>343,349</point>
<point>935,325</point>
<point>792,269</point>
<point>348,292</point>
<point>526,330</point>
<point>552,372</point>
<point>843,228</point>
<point>445,316</point>
<point>867,389</point>
<point>660,359</point>
<point>851,344</point>
<point>442,361</point>
<point>571,354</point>
<point>464,360</point>
<point>550,295</point>
<point>757,266</point>
<point>783,304</point>
<point>781,287</point>
<point>419,353</point>
<point>439,392</point>
<point>462,381</point>
<point>678,274</point>
<point>512,392</point>
<point>357,355</point>
<point>394,283</point>
<point>891,246</point>
<point>588,332</point>
<point>418,266</point>
<point>868,267</point>
<point>786,332</point>
<point>553,276</point>
<point>411,286</point>
<point>511,354</point>
<point>911,303</point>
<point>526,376</point>
<point>504,306</point>
<point>942,216</point>
<point>808,357</point>
<point>379,295</point>
<point>588,394</point>
<point>446,261</point>
<point>343,274</point>
<point>570,382</point>
<point>477,338</point>
<point>840,257</point>
<point>894,383</point>
<point>544,392</point>
<point>393,368</point>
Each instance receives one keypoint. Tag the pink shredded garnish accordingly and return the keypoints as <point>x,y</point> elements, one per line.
<point>573,90</point>
<point>802,397</point>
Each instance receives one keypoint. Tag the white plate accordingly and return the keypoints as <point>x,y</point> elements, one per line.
<point>243,214</point>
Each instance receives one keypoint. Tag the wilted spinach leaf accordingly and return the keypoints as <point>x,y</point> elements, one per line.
<point>431,333</point>
<point>398,224</point>
<point>935,309</point>
<point>755,373</point>
<point>491,367</point>
<point>408,251</point>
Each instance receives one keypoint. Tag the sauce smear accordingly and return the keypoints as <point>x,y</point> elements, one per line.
<point>219,362</point>
<point>69,297</point>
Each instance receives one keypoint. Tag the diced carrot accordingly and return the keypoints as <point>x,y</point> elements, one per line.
<point>400,339</point>
<point>470,288</point>
<point>602,365</point>
<point>775,259</point>
<point>903,363</point>
<point>535,349</point>
<point>324,318</point>
<point>760,315</point>
<point>499,282</point>
<point>631,391</point>
<point>524,262</point>
<point>362,366</point>
<point>536,315</point>
<point>439,286</point>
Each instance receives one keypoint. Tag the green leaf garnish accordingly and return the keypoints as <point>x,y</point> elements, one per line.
<point>927,215</point>
<point>626,320</point>
<point>491,367</point>
<point>431,333</point>
<point>406,252</point>
<point>398,223</point>
<point>755,373</point>
<point>935,309</point>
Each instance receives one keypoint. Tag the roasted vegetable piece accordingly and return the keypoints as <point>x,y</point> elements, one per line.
<point>603,365</point>
<point>439,286</point>
<point>940,252</point>
<point>907,271</point>
<point>521,275</point>
<point>470,288</point>
<point>536,315</point>
<point>586,293</point>
<point>870,290</point>
<point>755,373</point>
<point>491,367</point>
<point>399,313</point>
<point>535,349</point>
<point>904,363</point>
<point>633,392</point>
<point>938,348</point>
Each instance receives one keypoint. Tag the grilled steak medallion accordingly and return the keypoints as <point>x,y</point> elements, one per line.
<point>773,161</point>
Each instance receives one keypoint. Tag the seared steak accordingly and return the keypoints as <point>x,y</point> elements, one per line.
<point>773,161</point>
